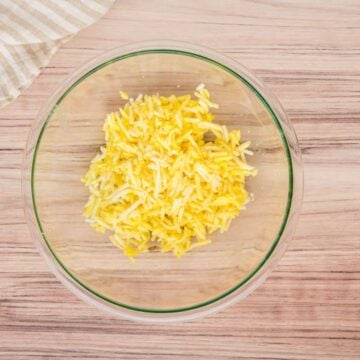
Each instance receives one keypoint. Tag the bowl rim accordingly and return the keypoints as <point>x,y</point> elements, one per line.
<point>178,48</point>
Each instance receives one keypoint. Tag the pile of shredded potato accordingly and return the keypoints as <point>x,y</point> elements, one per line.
<point>158,183</point>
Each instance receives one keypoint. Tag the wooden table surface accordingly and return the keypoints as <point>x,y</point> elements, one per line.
<point>308,53</point>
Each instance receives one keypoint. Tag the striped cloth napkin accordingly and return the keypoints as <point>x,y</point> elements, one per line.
<point>30,33</point>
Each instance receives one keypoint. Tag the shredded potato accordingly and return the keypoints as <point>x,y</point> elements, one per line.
<point>157,183</point>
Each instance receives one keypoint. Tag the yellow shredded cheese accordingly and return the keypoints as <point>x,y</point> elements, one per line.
<point>158,183</point>
<point>124,95</point>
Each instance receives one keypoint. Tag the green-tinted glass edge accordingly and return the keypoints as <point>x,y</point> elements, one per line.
<point>288,155</point>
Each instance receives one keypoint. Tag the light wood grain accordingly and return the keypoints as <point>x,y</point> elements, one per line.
<point>308,52</point>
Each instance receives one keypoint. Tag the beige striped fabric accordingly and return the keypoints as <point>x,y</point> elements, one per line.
<point>30,33</point>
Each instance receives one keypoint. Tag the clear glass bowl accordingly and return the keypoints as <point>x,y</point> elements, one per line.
<point>159,287</point>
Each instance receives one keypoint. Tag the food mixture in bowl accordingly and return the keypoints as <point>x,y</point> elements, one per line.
<point>168,175</point>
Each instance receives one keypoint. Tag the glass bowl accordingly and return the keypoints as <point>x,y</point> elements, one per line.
<point>159,287</point>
